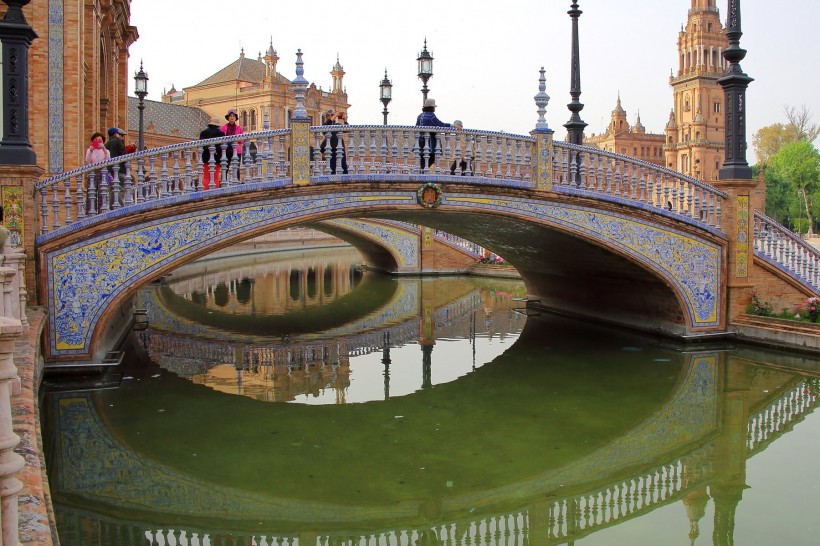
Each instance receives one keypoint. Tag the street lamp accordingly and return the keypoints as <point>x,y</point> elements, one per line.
<point>141,89</point>
<point>385,94</point>
<point>425,68</point>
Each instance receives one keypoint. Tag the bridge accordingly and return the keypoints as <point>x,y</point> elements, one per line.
<point>578,223</point>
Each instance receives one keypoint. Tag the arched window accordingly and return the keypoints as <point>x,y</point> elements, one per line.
<point>244,118</point>
<point>253,120</point>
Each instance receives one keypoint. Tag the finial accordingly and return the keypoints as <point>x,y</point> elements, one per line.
<point>541,101</point>
<point>300,85</point>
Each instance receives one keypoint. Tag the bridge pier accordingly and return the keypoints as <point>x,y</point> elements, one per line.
<point>746,274</point>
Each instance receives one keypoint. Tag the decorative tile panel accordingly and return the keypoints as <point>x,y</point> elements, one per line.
<point>12,201</point>
<point>742,245</point>
<point>55,86</point>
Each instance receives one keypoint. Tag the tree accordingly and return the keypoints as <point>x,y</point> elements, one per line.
<point>800,123</point>
<point>797,165</point>
<point>767,141</point>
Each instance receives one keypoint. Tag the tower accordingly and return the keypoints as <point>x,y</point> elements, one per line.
<point>695,133</point>
<point>338,73</point>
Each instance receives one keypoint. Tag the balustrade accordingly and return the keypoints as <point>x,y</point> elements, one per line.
<point>780,416</point>
<point>344,152</point>
<point>785,249</point>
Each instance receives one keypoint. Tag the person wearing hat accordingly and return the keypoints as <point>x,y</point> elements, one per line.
<point>115,143</point>
<point>427,143</point>
<point>116,147</point>
<point>233,128</point>
<point>211,131</point>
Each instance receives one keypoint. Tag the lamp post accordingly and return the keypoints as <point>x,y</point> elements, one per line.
<point>141,89</point>
<point>425,68</point>
<point>385,94</point>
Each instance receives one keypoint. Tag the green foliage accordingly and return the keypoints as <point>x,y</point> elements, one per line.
<point>763,309</point>
<point>792,179</point>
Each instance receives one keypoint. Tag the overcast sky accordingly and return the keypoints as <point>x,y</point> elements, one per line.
<point>487,54</point>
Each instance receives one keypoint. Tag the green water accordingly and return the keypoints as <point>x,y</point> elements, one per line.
<point>424,411</point>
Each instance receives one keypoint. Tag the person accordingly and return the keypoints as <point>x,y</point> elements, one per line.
<point>336,142</point>
<point>95,153</point>
<point>230,129</point>
<point>116,147</point>
<point>211,131</point>
<point>460,162</point>
<point>427,146</point>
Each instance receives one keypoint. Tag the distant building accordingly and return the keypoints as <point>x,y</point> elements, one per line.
<point>693,141</point>
<point>631,140</point>
<point>253,87</point>
<point>695,133</point>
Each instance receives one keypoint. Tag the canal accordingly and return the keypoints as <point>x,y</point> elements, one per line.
<point>294,399</point>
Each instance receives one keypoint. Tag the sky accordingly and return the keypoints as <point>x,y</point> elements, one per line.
<point>487,54</point>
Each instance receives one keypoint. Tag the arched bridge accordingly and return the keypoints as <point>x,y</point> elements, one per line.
<point>591,232</point>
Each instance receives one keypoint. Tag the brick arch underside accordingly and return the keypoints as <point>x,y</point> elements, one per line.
<point>607,264</point>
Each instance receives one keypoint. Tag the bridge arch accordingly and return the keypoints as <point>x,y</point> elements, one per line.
<point>551,238</point>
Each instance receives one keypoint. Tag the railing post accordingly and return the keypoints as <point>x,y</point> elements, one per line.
<point>542,159</point>
<point>300,129</point>
<point>10,462</point>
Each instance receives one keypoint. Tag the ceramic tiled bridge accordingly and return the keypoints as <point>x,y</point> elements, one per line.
<point>591,232</point>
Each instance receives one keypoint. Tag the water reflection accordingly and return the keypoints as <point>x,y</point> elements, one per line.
<point>569,434</point>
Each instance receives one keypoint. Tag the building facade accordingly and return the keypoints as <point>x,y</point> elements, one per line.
<point>262,97</point>
<point>632,140</point>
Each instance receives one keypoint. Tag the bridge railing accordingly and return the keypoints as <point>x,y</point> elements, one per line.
<point>786,250</point>
<point>337,151</point>
<point>625,178</point>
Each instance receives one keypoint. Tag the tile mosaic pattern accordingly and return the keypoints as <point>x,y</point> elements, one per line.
<point>12,201</point>
<point>742,249</point>
<point>84,279</point>
<point>55,86</point>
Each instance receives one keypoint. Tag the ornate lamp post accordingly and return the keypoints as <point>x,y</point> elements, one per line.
<point>385,94</point>
<point>425,68</point>
<point>734,84</point>
<point>575,125</point>
<point>141,90</point>
<point>16,36</point>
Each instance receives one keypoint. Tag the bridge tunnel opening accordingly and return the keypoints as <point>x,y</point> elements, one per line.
<point>569,273</point>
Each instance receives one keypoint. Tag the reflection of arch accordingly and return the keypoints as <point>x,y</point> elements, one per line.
<point>221,294</point>
<point>243,290</point>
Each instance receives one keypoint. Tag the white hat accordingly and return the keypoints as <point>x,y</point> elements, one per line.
<point>429,103</point>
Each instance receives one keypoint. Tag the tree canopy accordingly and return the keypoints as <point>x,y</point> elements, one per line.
<point>768,140</point>
<point>792,178</point>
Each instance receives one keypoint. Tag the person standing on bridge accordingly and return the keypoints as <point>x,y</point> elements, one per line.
<point>95,153</point>
<point>211,131</point>
<point>336,142</point>
<point>428,141</point>
<point>230,129</point>
<point>459,161</point>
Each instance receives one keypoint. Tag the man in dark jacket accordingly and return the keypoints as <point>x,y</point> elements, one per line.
<point>428,118</point>
<point>116,147</point>
<point>211,131</point>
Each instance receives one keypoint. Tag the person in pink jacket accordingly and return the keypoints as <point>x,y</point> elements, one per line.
<point>95,153</point>
<point>233,128</point>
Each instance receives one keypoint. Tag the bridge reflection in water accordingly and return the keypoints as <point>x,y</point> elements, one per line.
<point>548,441</point>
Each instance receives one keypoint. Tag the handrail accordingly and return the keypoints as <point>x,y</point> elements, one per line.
<point>339,153</point>
<point>590,170</point>
<point>778,245</point>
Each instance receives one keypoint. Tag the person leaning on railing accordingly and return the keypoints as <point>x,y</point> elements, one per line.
<point>428,118</point>
<point>95,153</point>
